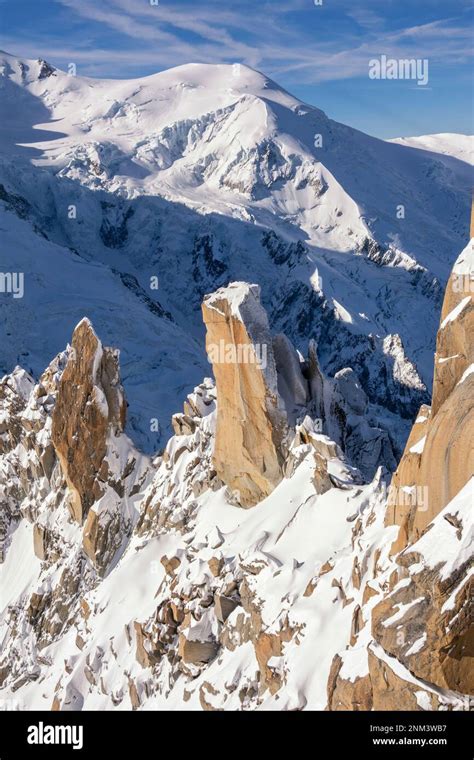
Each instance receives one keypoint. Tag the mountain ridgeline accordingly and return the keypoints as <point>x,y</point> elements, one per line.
<point>300,535</point>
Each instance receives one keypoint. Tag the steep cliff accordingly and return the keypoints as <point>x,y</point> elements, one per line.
<point>251,423</point>
<point>439,456</point>
<point>416,643</point>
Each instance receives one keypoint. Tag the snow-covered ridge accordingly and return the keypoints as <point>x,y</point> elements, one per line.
<point>145,585</point>
<point>445,143</point>
<point>202,175</point>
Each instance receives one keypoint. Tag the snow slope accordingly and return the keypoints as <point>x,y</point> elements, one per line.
<point>295,570</point>
<point>445,143</point>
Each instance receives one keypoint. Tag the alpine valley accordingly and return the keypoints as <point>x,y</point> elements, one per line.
<point>300,535</point>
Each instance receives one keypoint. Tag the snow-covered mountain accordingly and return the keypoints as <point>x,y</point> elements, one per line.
<point>135,584</point>
<point>444,144</point>
<point>200,175</point>
<point>252,552</point>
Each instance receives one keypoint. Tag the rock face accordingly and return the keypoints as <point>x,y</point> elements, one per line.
<point>417,623</point>
<point>265,389</point>
<point>251,419</point>
<point>365,446</point>
<point>427,624</point>
<point>439,455</point>
<point>90,404</point>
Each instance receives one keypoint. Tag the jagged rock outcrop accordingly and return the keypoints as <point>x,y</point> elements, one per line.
<point>439,455</point>
<point>90,404</point>
<point>415,647</point>
<point>365,446</point>
<point>251,419</point>
<point>425,621</point>
<point>31,480</point>
<point>203,602</point>
<point>265,388</point>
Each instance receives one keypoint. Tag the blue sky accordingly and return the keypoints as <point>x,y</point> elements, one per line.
<point>320,53</point>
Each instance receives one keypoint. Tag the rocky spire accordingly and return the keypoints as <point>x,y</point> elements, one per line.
<point>251,417</point>
<point>90,404</point>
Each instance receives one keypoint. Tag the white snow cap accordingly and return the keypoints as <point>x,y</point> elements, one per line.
<point>236,293</point>
<point>465,261</point>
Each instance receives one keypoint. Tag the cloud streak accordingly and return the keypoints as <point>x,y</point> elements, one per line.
<point>271,36</point>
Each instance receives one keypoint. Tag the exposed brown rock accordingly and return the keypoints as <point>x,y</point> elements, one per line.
<point>432,639</point>
<point>439,456</point>
<point>91,535</point>
<point>215,566</point>
<point>391,692</point>
<point>369,592</point>
<point>102,536</point>
<point>207,691</point>
<point>251,421</point>
<point>89,405</point>
<point>170,564</point>
<point>177,612</point>
<point>422,625</point>
<point>39,543</point>
<point>80,643</point>
<point>134,696</point>
<point>344,694</point>
<point>146,655</point>
<point>326,568</point>
<point>356,624</point>
<point>321,480</point>
<point>267,646</point>
<point>223,607</point>
<point>196,652</point>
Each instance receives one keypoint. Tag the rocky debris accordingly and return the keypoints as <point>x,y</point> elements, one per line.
<point>207,600</point>
<point>268,648</point>
<point>31,481</point>
<point>411,640</point>
<point>169,503</point>
<point>224,607</point>
<point>34,491</point>
<point>195,652</point>
<point>251,422</point>
<point>216,565</point>
<point>170,564</point>
<point>148,653</point>
<point>206,693</point>
<point>438,457</point>
<point>40,541</point>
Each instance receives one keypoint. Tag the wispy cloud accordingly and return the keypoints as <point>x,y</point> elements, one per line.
<point>266,35</point>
